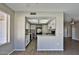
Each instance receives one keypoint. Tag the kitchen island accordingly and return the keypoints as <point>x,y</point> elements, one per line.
<point>49,43</point>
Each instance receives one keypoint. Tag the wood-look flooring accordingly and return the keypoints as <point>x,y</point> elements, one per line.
<point>71,47</point>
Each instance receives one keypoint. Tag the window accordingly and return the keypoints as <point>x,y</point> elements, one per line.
<point>4,28</point>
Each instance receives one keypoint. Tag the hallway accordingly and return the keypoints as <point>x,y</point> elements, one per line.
<point>71,48</point>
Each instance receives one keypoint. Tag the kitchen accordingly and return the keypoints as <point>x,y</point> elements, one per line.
<point>44,42</point>
<point>37,28</point>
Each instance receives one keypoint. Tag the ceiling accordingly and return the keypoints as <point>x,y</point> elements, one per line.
<point>40,20</point>
<point>70,9</point>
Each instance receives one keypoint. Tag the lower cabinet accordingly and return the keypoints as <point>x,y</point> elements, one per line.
<point>27,39</point>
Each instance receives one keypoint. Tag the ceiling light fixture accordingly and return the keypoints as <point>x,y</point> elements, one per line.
<point>72,21</point>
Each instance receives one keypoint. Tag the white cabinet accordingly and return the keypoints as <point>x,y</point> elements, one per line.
<point>44,29</point>
<point>51,24</point>
<point>33,26</point>
<point>27,25</point>
<point>27,39</point>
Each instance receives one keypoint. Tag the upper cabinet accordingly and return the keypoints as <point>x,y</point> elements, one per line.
<point>52,24</point>
<point>44,29</point>
<point>33,26</point>
<point>27,25</point>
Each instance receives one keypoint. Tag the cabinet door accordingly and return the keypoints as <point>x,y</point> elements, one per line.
<point>33,26</point>
<point>27,25</point>
<point>52,24</point>
<point>27,39</point>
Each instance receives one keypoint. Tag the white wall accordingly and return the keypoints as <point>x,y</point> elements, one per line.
<point>67,25</point>
<point>7,48</point>
<point>19,31</point>
<point>75,31</point>
<point>67,29</point>
<point>20,27</point>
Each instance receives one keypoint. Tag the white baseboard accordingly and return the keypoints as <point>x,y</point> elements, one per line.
<point>16,50</point>
<point>76,39</point>
<point>11,51</point>
<point>19,49</point>
<point>50,49</point>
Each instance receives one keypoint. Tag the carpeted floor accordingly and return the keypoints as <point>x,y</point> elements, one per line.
<point>71,48</point>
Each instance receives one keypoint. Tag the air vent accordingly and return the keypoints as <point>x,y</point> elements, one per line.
<point>33,13</point>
